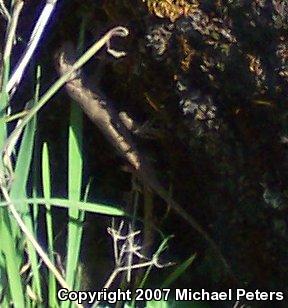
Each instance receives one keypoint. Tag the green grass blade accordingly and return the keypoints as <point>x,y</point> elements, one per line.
<point>79,275</point>
<point>75,167</point>
<point>46,180</point>
<point>4,97</point>
<point>75,155</point>
<point>22,169</point>
<point>18,190</point>
<point>75,164</point>
<point>35,172</point>
<point>96,208</point>
<point>12,266</point>
<point>6,239</point>
<point>178,272</point>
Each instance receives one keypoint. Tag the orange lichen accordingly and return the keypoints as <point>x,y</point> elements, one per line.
<point>172,9</point>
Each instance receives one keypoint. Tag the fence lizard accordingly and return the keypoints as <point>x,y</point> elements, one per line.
<point>103,114</point>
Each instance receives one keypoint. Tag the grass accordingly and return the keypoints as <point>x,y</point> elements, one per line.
<point>21,269</point>
<point>29,274</point>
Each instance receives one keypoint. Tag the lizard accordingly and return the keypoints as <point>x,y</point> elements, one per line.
<point>104,115</point>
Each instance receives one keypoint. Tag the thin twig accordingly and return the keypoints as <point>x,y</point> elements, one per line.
<point>12,29</point>
<point>35,37</point>
<point>9,40</point>
<point>10,36</point>
<point>130,249</point>
<point>4,11</point>
<point>130,242</point>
